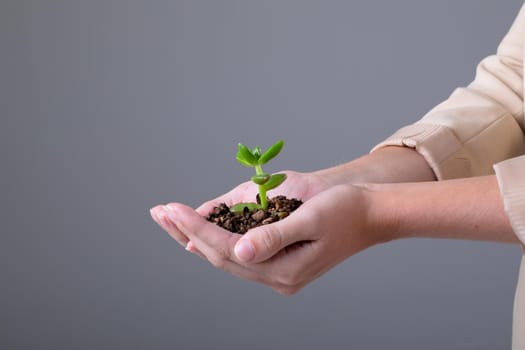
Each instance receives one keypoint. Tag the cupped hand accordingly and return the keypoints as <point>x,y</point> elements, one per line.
<point>297,185</point>
<point>333,224</point>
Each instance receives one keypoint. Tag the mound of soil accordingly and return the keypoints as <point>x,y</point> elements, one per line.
<point>279,207</point>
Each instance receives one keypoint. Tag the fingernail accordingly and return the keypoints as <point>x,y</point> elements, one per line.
<point>156,214</point>
<point>244,250</point>
<point>152,213</point>
<point>171,213</point>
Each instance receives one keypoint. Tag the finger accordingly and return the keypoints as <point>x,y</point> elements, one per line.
<point>253,275</point>
<point>263,242</point>
<point>213,242</point>
<point>271,276</point>
<point>217,246</point>
<point>245,192</point>
<point>158,213</point>
<point>208,207</point>
<point>190,247</point>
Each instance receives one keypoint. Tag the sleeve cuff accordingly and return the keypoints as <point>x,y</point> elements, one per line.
<point>437,144</point>
<point>512,187</point>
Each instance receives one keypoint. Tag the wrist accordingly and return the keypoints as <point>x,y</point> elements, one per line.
<point>384,219</point>
<point>365,169</point>
<point>386,165</point>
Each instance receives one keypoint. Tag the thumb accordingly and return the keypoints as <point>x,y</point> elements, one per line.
<point>263,242</point>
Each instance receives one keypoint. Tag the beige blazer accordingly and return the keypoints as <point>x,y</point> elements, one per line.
<point>479,130</point>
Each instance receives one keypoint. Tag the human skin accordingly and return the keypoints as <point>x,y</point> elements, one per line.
<point>387,195</point>
<point>388,164</point>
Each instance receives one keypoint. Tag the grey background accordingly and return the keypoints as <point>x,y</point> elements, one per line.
<point>110,107</point>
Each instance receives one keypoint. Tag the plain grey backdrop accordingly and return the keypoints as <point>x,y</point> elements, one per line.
<point>109,107</point>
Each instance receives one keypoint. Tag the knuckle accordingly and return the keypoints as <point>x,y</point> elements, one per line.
<point>182,240</point>
<point>219,258</point>
<point>287,290</point>
<point>222,253</point>
<point>217,262</point>
<point>272,239</point>
<point>287,278</point>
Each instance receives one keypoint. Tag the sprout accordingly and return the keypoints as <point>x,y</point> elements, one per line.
<point>255,158</point>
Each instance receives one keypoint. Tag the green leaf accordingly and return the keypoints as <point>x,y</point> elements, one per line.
<point>272,152</point>
<point>245,156</point>
<point>239,207</point>
<point>256,152</point>
<point>275,180</point>
<point>261,179</point>
<point>243,162</point>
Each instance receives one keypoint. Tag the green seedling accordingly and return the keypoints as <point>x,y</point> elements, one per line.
<point>255,158</point>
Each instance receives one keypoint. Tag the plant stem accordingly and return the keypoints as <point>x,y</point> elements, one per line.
<point>262,191</point>
<point>262,197</point>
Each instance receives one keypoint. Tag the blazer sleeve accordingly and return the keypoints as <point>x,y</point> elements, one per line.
<point>480,124</point>
<point>480,128</point>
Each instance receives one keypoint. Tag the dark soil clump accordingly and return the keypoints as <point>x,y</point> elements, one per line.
<point>279,207</point>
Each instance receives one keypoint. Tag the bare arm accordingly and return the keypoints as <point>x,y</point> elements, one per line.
<point>470,209</point>
<point>386,165</point>
<point>342,219</point>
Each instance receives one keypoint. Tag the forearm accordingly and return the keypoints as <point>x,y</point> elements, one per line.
<point>470,209</point>
<point>386,165</point>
